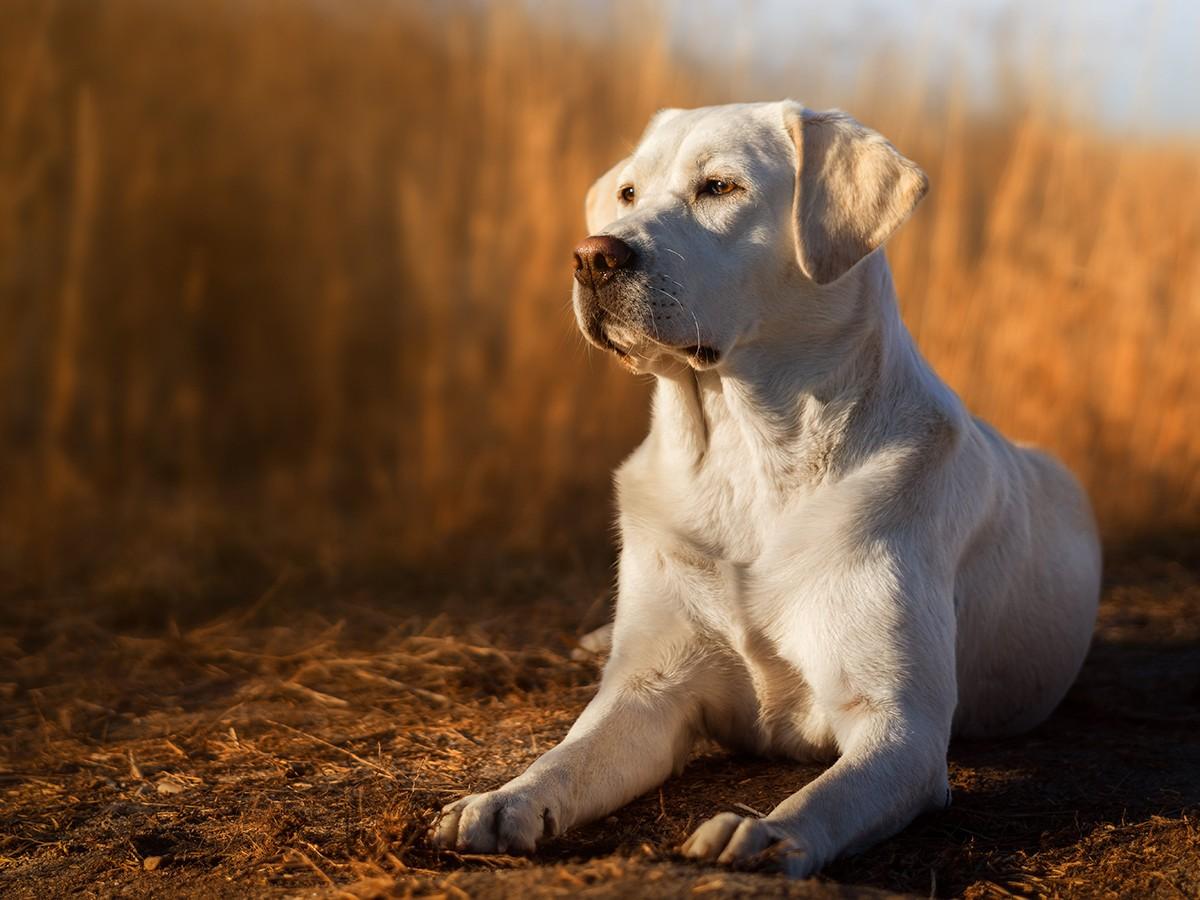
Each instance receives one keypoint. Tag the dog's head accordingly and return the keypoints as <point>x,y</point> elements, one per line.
<point>721,217</point>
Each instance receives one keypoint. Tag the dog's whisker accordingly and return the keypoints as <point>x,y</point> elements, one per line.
<point>686,310</point>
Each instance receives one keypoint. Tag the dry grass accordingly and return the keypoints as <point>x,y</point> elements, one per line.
<point>276,751</point>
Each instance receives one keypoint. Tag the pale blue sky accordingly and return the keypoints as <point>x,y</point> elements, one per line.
<point>1126,63</point>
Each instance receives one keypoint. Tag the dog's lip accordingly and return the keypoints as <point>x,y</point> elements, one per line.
<point>616,348</point>
<point>697,354</point>
<point>702,353</point>
<point>608,343</point>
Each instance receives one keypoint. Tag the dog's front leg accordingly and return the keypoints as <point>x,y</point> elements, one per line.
<point>888,693</point>
<point>637,730</point>
<point>887,777</point>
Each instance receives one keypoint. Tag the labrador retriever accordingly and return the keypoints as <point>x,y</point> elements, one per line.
<point>824,556</point>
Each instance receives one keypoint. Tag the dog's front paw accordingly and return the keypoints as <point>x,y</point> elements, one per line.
<point>500,821</point>
<point>735,840</point>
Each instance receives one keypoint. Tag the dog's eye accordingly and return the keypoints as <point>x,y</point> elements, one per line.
<point>626,194</point>
<point>717,186</point>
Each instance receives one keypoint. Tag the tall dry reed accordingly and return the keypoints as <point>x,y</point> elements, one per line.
<point>306,264</point>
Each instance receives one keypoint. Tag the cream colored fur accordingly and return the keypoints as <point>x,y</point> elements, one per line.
<point>824,556</point>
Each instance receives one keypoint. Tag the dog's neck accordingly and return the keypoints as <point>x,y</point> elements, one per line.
<point>807,406</point>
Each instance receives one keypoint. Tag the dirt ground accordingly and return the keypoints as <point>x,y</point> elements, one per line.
<point>300,744</point>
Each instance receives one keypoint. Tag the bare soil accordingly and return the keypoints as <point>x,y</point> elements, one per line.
<point>300,745</point>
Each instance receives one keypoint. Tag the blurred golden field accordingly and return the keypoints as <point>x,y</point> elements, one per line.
<point>303,267</point>
<point>306,472</point>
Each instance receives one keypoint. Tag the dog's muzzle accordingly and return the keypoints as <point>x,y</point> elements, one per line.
<point>609,320</point>
<point>599,259</point>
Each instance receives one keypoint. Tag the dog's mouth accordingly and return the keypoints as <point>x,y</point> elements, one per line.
<point>704,354</point>
<point>612,347</point>
<point>598,332</point>
<point>698,356</point>
<point>630,343</point>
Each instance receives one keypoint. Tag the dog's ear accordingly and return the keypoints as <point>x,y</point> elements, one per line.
<point>853,189</point>
<point>601,203</point>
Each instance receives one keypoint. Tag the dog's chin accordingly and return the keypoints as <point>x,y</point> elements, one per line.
<point>622,344</point>
<point>639,352</point>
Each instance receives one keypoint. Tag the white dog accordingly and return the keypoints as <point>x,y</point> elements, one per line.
<point>824,556</point>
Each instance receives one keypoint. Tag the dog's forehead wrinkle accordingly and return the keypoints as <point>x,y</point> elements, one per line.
<point>708,137</point>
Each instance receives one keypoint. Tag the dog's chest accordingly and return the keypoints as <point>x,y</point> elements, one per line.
<point>766,706</point>
<point>708,525</point>
<point>711,515</point>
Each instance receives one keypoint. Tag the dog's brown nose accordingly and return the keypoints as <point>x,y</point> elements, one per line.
<point>598,256</point>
